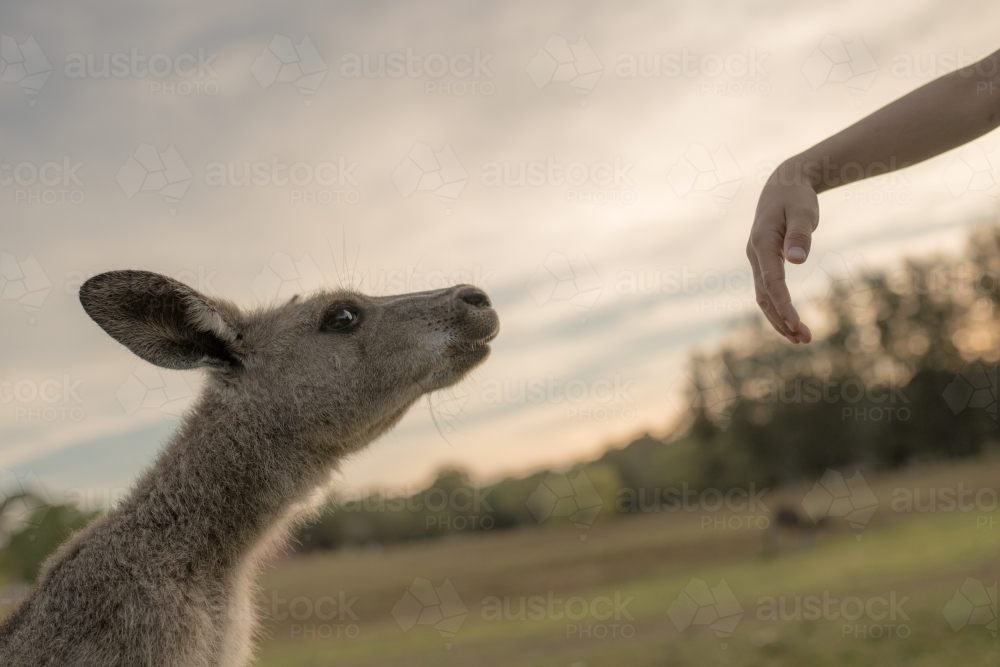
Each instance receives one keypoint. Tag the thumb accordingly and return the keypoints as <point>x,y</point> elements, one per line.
<point>798,235</point>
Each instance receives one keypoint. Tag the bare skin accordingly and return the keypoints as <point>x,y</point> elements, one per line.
<point>942,115</point>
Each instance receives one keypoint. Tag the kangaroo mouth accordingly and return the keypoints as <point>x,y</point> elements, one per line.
<point>473,347</point>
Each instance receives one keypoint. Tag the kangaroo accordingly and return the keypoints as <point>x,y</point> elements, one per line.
<point>165,578</point>
<point>788,522</point>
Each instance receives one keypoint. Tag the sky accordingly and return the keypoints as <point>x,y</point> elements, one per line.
<point>593,166</point>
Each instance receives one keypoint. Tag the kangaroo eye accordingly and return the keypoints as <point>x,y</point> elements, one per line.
<point>339,318</point>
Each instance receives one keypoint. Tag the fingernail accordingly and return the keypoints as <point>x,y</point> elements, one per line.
<point>797,254</point>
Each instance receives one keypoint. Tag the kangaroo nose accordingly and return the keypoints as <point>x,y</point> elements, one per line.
<point>475,297</point>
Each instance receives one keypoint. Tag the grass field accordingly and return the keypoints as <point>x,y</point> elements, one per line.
<point>337,608</point>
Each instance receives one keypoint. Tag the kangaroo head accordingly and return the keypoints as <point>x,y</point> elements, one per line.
<point>337,367</point>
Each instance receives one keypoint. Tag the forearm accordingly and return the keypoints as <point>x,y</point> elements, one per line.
<point>934,118</point>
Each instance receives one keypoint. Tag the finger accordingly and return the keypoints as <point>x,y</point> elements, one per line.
<point>764,301</point>
<point>772,274</point>
<point>800,224</point>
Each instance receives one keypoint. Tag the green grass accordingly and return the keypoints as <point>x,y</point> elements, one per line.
<point>924,557</point>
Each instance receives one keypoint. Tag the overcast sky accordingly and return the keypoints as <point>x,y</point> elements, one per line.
<point>593,166</point>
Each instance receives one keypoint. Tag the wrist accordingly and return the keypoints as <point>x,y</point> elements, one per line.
<point>800,171</point>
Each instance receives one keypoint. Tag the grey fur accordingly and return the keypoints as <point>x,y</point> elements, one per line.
<point>166,577</point>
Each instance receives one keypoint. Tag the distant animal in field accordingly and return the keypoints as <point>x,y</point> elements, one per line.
<point>165,578</point>
<point>790,530</point>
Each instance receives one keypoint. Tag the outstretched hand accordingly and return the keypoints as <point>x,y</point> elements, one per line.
<point>786,216</point>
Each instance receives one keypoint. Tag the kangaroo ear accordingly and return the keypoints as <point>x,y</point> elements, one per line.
<point>162,320</point>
